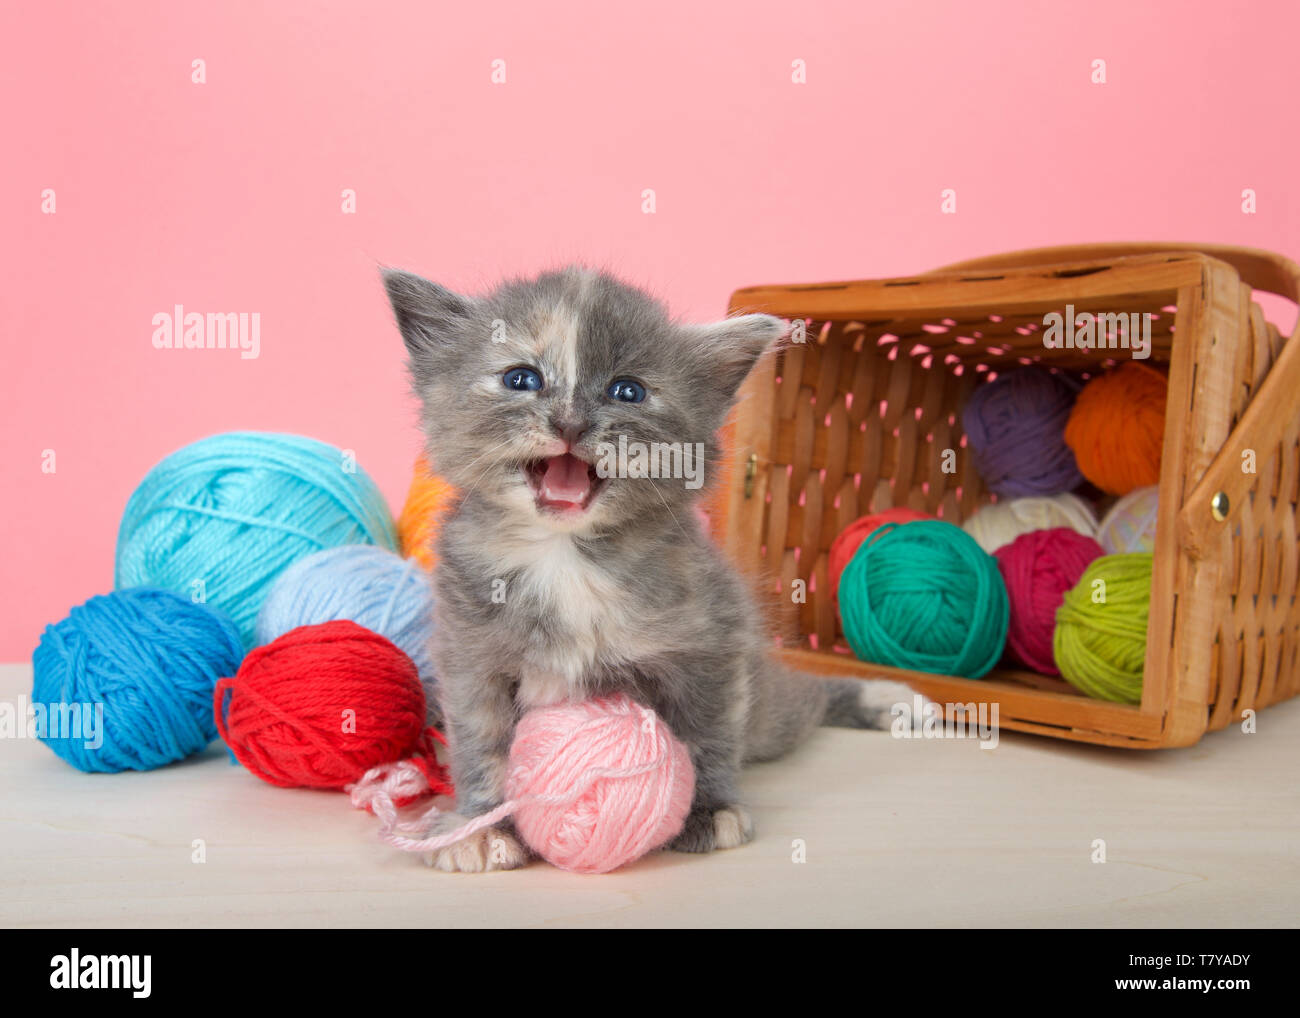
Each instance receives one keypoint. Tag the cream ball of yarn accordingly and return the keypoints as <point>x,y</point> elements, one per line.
<point>1002,522</point>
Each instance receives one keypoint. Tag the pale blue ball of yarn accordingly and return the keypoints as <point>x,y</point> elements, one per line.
<point>370,586</point>
<point>221,518</point>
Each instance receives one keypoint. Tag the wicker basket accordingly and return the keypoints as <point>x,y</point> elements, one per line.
<point>856,419</point>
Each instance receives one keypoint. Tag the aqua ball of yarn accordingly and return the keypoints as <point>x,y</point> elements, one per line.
<point>362,583</point>
<point>220,519</point>
<point>924,596</point>
<point>125,682</point>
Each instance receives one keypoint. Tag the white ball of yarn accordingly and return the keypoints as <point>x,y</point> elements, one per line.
<point>1001,523</point>
<point>1131,523</point>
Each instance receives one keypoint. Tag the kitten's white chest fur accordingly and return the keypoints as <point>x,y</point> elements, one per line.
<point>582,602</point>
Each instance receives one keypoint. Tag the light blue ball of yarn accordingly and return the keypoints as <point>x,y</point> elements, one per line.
<point>370,586</point>
<point>221,518</point>
<point>133,671</point>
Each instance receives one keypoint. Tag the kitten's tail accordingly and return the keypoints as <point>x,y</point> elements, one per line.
<point>790,705</point>
<point>857,703</point>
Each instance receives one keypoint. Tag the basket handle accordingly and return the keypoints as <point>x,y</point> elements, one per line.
<point>1263,270</point>
<point>1218,496</point>
<point>1222,490</point>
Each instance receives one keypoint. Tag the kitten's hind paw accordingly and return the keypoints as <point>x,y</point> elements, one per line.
<point>706,830</point>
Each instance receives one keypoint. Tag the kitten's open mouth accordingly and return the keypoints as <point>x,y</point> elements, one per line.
<point>563,484</point>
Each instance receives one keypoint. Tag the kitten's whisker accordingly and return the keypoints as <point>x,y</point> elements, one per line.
<point>488,452</point>
<point>461,496</point>
<point>655,489</point>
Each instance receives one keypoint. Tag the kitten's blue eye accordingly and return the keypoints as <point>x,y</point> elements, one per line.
<point>522,380</point>
<point>627,391</point>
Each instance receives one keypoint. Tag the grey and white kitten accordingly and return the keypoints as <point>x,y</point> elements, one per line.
<point>554,583</point>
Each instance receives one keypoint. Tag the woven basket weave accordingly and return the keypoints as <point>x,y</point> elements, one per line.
<point>857,418</point>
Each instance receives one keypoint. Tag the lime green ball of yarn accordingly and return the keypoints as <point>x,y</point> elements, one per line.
<point>925,596</point>
<point>1100,642</point>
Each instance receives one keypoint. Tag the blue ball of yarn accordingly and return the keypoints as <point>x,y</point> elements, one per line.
<point>133,671</point>
<point>926,597</point>
<point>370,586</point>
<point>221,518</point>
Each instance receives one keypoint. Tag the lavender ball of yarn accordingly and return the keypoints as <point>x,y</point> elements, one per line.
<point>1015,425</point>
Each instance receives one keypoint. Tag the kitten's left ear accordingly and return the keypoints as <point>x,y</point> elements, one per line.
<point>732,346</point>
<point>429,316</point>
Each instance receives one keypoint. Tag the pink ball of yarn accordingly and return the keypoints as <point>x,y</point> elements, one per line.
<point>1038,568</point>
<point>599,783</point>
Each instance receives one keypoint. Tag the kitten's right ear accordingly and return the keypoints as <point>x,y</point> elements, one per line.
<point>732,346</point>
<point>429,316</point>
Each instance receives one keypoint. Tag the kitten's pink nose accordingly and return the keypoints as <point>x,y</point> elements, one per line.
<point>570,429</point>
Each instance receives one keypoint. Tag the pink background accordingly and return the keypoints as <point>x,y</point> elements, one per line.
<point>226,196</point>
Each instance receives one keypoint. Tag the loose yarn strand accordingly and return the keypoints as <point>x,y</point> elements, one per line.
<point>377,786</point>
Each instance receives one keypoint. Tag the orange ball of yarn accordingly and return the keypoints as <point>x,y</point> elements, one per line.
<point>1117,428</point>
<point>851,537</point>
<point>419,520</point>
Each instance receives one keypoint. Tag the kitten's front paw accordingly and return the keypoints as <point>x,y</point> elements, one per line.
<point>706,830</point>
<point>493,848</point>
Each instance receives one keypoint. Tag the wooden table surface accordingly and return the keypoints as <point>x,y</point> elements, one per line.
<point>895,832</point>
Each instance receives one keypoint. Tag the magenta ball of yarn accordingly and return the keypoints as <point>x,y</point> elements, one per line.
<point>1015,425</point>
<point>1038,568</point>
<point>601,783</point>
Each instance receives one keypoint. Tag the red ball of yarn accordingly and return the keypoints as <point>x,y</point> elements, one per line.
<point>323,704</point>
<point>1039,568</point>
<point>851,537</point>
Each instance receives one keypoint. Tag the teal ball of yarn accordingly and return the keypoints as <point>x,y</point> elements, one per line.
<point>220,519</point>
<point>125,682</point>
<point>365,584</point>
<point>926,597</point>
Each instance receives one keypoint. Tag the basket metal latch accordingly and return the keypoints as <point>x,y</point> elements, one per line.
<point>751,469</point>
